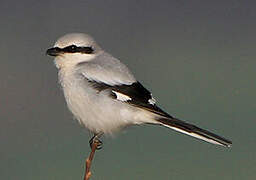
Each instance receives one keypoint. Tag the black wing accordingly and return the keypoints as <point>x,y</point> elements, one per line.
<point>138,95</point>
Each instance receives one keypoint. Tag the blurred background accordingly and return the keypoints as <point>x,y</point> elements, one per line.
<point>197,57</point>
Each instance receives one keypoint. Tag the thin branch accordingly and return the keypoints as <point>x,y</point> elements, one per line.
<point>88,163</point>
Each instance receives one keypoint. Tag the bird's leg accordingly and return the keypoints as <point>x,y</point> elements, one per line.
<point>95,144</point>
<point>95,140</point>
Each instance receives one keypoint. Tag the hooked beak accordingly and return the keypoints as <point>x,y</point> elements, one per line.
<point>54,51</point>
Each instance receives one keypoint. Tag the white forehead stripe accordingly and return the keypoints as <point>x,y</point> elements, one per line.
<point>121,97</point>
<point>78,39</point>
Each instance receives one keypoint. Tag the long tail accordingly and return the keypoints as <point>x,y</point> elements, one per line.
<point>194,131</point>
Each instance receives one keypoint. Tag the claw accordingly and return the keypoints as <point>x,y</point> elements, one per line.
<point>95,140</point>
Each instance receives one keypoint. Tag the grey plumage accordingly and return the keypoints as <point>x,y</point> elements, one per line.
<point>104,66</point>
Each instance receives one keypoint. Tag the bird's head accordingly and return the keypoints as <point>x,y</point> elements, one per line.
<point>74,48</point>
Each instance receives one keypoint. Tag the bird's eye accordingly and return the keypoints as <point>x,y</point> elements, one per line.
<point>70,49</point>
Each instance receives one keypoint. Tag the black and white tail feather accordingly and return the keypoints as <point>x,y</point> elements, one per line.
<point>194,131</point>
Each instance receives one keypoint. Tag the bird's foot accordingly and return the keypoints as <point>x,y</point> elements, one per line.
<point>95,140</point>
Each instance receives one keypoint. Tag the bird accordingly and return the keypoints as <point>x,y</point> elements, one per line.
<point>105,97</point>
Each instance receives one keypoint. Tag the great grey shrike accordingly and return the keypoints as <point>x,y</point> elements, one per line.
<point>103,94</point>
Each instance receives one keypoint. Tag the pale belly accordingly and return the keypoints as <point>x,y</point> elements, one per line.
<point>98,112</point>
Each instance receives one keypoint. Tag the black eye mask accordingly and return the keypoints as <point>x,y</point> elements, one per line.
<point>69,49</point>
<point>75,49</point>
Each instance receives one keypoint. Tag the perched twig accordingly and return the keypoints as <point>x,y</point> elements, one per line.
<point>88,163</point>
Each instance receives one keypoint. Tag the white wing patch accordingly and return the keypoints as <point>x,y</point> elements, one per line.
<point>152,100</point>
<point>121,97</point>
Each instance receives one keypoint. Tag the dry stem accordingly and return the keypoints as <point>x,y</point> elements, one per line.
<point>88,163</point>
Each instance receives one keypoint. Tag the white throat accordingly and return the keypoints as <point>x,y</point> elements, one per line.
<point>67,61</point>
